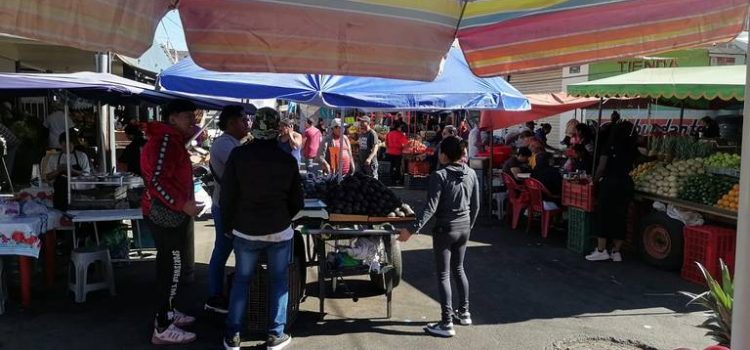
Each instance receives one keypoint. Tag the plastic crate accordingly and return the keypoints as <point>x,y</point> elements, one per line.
<point>578,195</point>
<point>706,245</point>
<point>580,236</point>
<point>419,167</point>
<point>258,304</point>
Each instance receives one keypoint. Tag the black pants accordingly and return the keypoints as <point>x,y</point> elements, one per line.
<point>614,196</point>
<point>170,251</point>
<point>449,246</point>
<point>396,175</point>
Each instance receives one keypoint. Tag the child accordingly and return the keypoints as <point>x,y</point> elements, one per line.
<point>453,198</point>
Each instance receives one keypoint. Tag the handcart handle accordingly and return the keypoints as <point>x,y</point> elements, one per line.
<point>353,232</point>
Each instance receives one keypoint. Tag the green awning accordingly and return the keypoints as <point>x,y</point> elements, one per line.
<point>708,83</point>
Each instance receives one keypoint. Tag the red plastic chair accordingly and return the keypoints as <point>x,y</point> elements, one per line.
<point>518,199</point>
<point>537,191</point>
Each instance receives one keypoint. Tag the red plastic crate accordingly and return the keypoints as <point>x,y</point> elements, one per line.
<point>707,244</point>
<point>419,168</point>
<point>578,195</point>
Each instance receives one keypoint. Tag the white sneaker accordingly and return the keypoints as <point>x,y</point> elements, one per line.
<point>616,256</point>
<point>179,319</point>
<point>598,255</point>
<point>172,335</point>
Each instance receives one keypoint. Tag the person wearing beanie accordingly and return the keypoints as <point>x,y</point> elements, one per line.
<point>260,194</point>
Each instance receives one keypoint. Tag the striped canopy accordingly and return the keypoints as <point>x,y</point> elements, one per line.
<point>403,39</point>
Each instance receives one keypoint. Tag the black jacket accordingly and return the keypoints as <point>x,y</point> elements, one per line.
<point>261,189</point>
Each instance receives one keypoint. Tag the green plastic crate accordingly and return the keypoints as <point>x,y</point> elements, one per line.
<point>580,236</point>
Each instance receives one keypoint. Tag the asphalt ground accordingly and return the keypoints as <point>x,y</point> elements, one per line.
<point>526,293</point>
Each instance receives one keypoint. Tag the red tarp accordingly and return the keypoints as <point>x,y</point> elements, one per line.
<point>542,106</point>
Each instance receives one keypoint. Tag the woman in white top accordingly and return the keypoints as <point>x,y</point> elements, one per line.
<point>56,163</point>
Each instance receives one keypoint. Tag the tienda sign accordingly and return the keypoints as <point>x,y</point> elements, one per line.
<point>647,62</point>
<point>682,58</point>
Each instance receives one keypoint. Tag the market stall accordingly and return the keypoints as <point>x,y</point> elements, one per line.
<point>102,196</point>
<point>684,182</point>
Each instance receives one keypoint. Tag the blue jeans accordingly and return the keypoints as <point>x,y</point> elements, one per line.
<point>246,258</point>
<point>219,256</point>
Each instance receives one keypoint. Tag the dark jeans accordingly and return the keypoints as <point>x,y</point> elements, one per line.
<point>449,246</point>
<point>396,175</point>
<point>219,256</point>
<point>369,170</point>
<point>246,255</point>
<point>614,196</point>
<point>170,251</point>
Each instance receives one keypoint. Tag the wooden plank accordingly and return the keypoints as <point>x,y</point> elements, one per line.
<point>689,205</point>
<point>347,218</point>
<point>391,220</point>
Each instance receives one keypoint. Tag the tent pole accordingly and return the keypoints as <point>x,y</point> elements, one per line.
<point>682,116</point>
<point>741,307</point>
<point>342,130</point>
<point>491,166</point>
<point>102,137</point>
<point>67,147</point>
<point>596,137</point>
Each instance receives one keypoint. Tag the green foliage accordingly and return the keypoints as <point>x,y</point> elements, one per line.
<point>719,301</point>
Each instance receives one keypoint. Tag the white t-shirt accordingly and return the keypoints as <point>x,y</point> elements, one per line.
<point>58,161</point>
<point>282,236</point>
<point>56,124</point>
<point>220,150</point>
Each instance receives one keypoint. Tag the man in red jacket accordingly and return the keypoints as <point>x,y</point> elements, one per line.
<point>167,206</point>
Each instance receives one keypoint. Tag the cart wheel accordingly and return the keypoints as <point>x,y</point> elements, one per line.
<point>661,241</point>
<point>395,273</point>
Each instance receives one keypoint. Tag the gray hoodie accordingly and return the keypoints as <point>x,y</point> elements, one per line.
<point>452,197</point>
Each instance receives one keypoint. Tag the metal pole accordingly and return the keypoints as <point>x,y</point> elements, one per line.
<point>741,306</point>
<point>112,143</point>
<point>596,137</point>
<point>102,136</point>
<point>682,116</point>
<point>67,147</point>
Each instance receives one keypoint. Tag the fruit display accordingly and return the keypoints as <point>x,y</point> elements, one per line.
<point>414,147</point>
<point>666,180</point>
<point>706,189</point>
<point>317,186</point>
<point>730,200</point>
<point>357,194</point>
<point>724,160</point>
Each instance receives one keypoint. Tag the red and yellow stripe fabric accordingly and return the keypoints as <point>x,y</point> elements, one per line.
<point>386,38</point>
<point>500,37</point>
<point>123,26</point>
<point>401,39</point>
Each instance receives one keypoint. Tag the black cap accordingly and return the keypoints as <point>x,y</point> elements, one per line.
<point>179,106</point>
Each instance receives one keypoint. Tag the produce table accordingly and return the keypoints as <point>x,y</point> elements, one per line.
<point>721,213</point>
<point>95,216</point>
<point>345,227</point>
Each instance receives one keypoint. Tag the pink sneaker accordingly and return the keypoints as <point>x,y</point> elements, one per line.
<point>179,319</point>
<point>172,335</point>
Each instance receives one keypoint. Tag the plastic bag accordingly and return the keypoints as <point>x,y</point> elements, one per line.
<point>9,208</point>
<point>659,206</point>
<point>689,218</point>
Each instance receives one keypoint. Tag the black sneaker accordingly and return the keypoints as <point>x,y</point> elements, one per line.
<point>232,343</point>
<point>216,304</point>
<point>441,329</point>
<point>462,318</point>
<point>278,343</point>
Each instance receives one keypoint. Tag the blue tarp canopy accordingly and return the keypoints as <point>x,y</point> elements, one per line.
<point>101,86</point>
<point>456,87</point>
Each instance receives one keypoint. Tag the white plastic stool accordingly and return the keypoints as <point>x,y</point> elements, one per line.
<point>3,288</point>
<point>500,198</point>
<point>81,259</point>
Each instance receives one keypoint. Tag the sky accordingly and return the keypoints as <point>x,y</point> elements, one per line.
<point>170,30</point>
